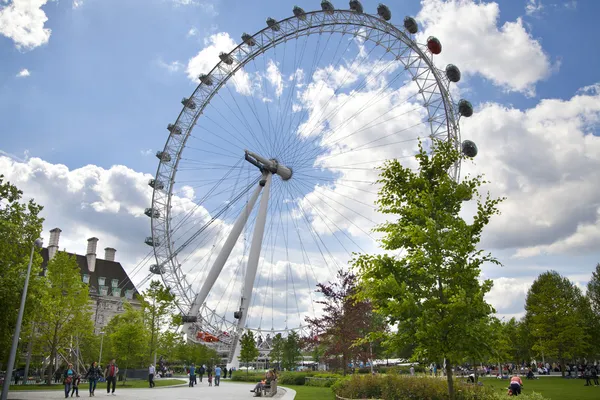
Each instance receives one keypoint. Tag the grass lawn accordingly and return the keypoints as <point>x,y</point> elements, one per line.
<point>554,388</point>
<point>313,392</point>
<point>84,386</point>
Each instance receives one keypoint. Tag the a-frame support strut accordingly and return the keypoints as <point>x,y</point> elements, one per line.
<point>268,168</point>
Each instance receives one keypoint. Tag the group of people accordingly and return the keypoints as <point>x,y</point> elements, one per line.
<point>219,373</point>
<point>71,379</point>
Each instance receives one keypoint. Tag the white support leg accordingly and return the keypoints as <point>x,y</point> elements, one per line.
<point>224,254</point>
<point>257,239</point>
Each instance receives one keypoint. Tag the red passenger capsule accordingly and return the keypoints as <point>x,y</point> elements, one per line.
<point>434,45</point>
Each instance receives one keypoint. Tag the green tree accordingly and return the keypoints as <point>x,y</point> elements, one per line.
<point>158,305</point>
<point>432,293</point>
<point>555,312</point>
<point>63,312</point>
<point>248,352</point>
<point>276,353</point>
<point>291,351</point>
<point>593,291</point>
<point>20,225</point>
<point>128,338</point>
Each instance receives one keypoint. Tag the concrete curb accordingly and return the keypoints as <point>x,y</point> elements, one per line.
<point>290,394</point>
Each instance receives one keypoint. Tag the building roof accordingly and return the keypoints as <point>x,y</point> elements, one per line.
<point>104,269</point>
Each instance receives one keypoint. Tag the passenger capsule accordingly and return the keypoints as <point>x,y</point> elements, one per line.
<point>453,73</point>
<point>174,129</point>
<point>327,7</point>
<point>162,156</point>
<point>190,319</point>
<point>152,212</point>
<point>469,148</point>
<point>151,242</point>
<point>189,103</point>
<point>465,108</point>
<point>299,13</point>
<point>226,58</point>
<point>154,184</point>
<point>356,6</point>
<point>272,23</point>
<point>206,79</point>
<point>384,12</point>
<point>248,39</point>
<point>434,45</point>
<point>156,269</point>
<point>411,25</point>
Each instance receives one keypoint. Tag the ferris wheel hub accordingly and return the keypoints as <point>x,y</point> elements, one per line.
<point>269,165</point>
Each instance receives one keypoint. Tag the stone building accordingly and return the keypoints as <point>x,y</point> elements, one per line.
<point>108,282</point>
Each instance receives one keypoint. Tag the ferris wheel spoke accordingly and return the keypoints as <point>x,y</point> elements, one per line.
<point>323,215</point>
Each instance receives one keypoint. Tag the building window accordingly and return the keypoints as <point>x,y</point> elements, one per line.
<point>86,278</point>
<point>116,292</point>
<point>103,290</point>
<point>101,281</point>
<point>115,283</point>
<point>129,294</point>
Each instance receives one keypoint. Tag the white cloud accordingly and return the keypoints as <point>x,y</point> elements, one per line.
<point>77,3</point>
<point>275,78</point>
<point>172,66</point>
<point>208,58</point>
<point>23,22</point>
<point>507,55</point>
<point>533,7</point>
<point>192,32</point>
<point>546,160</point>
<point>23,73</point>
<point>146,152</point>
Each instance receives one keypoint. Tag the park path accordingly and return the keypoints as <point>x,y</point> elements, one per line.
<point>226,391</point>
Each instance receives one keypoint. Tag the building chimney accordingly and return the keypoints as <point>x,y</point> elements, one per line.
<point>53,245</point>
<point>91,254</point>
<point>109,254</point>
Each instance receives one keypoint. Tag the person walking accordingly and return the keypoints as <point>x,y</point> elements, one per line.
<point>76,381</point>
<point>151,372</point>
<point>201,371</point>
<point>192,375</point>
<point>217,375</point>
<point>111,376</point>
<point>225,372</point>
<point>68,379</point>
<point>92,375</point>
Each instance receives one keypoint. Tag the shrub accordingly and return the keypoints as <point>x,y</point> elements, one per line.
<point>241,376</point>
<point>392,387</point>
<point>322,380</point>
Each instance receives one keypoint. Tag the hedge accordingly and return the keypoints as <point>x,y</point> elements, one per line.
<point>394,387</point>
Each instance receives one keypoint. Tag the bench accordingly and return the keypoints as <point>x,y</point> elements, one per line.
<point>269,389</point>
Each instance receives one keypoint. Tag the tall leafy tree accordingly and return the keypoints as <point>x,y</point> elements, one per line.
<point>158,305</point>
<point>128,338</point>
<point>593,291</point>
<point>431,292</point>
<point>291,351</point>
<point>555,311</point>
<point>248,352</point>
<point>20,225</point>
<point>344,321</point>
<point>64,314</point>
<point>276,353</point>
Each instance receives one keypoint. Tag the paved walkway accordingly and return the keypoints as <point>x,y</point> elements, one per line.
<point>226,391</point>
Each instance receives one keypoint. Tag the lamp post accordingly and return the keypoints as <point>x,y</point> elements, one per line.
<point>13,350</point>
<point>101,342</point>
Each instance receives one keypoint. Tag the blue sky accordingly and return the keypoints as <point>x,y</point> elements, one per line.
<point>85,97</point>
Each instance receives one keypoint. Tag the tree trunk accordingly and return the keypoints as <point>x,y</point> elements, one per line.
<point>449,379</point>
<point>562,366</point>
<point>28,360</point>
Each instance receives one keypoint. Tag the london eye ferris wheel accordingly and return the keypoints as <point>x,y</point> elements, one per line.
<point>266,184</point>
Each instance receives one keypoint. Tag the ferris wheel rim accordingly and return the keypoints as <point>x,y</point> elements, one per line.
<point>167,170</point>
